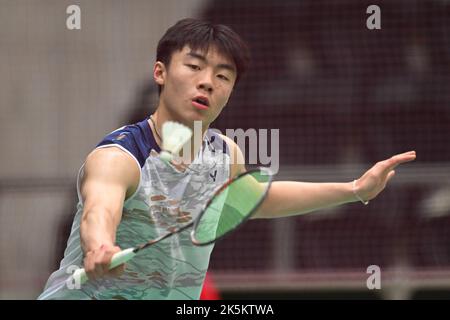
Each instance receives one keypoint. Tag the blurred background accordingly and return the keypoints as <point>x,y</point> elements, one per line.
<point>343,97</point>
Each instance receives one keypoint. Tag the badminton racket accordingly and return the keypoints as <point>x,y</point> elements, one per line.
<point>230,206</point>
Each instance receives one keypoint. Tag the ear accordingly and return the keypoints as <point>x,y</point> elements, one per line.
<point>159,73</point>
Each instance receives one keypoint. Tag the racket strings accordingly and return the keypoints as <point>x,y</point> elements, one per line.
<point>231,205</point>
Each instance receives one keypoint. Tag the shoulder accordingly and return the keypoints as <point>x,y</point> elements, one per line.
<point>111,162</point>
<point>111,166</point>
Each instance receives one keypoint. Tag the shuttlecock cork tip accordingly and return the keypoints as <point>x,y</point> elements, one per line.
<point>165,156</point>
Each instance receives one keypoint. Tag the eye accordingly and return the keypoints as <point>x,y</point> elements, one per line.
<point>221,76</point>
<point>193,67</point>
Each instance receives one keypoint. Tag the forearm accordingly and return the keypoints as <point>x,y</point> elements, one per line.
<point>98,227</point>
<point>286,198</point>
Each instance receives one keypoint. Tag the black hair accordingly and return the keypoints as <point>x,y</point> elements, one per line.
<point>199,35</point>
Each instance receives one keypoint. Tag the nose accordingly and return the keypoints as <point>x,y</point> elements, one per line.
<point>206,87</point>
<point>205,84</point>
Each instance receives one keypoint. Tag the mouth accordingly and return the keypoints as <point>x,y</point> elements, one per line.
<point>200,102</point>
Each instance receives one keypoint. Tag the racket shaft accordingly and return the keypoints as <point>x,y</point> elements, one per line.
<point>117,259</point>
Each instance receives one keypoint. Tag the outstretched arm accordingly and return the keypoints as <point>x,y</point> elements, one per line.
<point>288,198</point>
<point>110,175</point>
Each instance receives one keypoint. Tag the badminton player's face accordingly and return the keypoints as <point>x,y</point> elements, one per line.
<point>196,84</point>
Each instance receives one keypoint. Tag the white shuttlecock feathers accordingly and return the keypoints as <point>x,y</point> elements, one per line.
<point>174,136</point>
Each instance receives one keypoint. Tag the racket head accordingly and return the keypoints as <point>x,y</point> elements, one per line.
<point>231,205</point>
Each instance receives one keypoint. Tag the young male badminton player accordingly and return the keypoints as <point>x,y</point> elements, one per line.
<point>126,195</point>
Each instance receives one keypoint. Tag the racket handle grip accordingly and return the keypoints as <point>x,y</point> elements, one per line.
<point>116,260</point>
<point>121,257</point>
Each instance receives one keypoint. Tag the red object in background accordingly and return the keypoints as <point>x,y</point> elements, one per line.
<point>209,290</point>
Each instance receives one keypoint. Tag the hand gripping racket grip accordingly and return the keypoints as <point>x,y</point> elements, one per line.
<point>117,259</point>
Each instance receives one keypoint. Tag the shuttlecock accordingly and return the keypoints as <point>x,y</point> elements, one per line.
<point>174,136</point>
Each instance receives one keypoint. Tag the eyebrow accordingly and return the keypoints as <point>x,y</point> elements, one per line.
<point>220,65</point>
